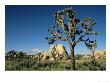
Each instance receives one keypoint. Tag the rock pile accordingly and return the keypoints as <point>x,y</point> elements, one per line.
<point>55,52</point>
<point>101,54</point>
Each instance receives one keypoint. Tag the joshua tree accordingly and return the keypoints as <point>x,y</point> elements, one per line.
<point>92,45</point>
<point>70,29</point>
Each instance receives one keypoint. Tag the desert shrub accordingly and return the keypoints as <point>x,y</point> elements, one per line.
<point>99,64</point>
<point>78,56</point>
<point>28,63</point>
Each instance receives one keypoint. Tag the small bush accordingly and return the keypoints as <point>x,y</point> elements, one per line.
<point>31,64</point>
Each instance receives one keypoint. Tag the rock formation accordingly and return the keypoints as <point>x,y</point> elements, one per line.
<point>55,52</point>
<point>101,54</point>
<point>58,52</point>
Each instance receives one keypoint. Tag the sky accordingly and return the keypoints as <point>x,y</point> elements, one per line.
<point>27,26</point>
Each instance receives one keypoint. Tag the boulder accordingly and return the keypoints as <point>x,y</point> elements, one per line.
<point>62,51</point>
<point>55,52</point>
<point>58,52</point>
<point>100,54</point>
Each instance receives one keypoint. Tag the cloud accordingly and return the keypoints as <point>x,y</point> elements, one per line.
<point>36,50</point>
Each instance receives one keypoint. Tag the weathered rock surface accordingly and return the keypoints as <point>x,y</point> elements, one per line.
<point>98,55</point>
<point>55,52</point>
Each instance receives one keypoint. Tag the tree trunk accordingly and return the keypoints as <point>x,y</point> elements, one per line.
<point>94,59</point>
<point>93,56</point>
<point>72,57</point>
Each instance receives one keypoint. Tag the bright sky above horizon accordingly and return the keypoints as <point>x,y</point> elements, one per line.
<point>26,26</point>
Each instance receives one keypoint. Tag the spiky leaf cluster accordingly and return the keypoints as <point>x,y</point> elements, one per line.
<point>91,45</point>
<point>66,27</point>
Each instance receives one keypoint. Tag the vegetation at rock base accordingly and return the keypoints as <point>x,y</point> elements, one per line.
<point>25,62</point>
<point>53,65</point>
